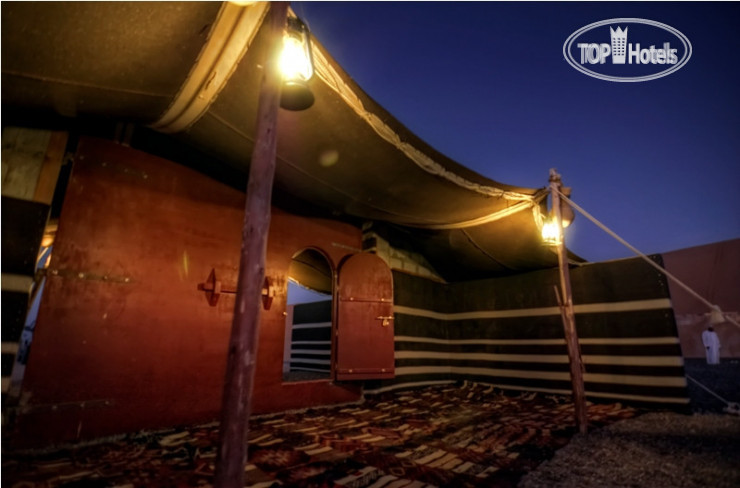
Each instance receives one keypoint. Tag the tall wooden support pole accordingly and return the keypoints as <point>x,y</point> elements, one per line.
<point>239,380</point>
<point>567,313</point>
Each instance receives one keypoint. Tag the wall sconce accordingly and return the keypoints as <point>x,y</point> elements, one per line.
<point>296,64</point>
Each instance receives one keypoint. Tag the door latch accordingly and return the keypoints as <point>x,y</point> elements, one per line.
<point>214,288</point>
<point>386,320</point>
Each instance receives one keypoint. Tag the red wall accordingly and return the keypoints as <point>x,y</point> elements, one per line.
<point>124,339</point>
<point>713,271</point>
<point>290,234</point>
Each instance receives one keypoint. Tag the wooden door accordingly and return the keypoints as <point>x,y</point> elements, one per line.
<point>364,346</point>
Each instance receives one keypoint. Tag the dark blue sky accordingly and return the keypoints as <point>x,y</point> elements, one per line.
<point>487,85</point>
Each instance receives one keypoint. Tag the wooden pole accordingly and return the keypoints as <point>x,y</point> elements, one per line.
<point>239,380</point>
<point>568,315</point>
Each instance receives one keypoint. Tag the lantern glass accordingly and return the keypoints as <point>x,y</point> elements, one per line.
<point>296,65</point>
<point>551,233</point>
<point>295,62</point>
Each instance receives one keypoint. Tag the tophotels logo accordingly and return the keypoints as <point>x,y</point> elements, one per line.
<point>627,49</point>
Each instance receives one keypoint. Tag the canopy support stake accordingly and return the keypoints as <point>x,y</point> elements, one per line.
<point>239,380</point>
<point>568,314</point>
<point>732,407</point>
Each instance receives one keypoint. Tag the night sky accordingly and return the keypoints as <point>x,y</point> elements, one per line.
<point>487,84</point>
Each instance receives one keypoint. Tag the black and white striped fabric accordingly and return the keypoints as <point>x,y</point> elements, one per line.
<point>310,348</point>
<point>508,332</point>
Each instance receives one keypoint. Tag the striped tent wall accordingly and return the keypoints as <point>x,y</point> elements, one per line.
<point>508,332</point>
<point>310,347</point>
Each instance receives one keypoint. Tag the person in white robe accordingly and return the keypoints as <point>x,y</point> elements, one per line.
<point>711,343</point>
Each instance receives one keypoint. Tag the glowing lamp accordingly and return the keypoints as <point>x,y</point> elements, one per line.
<point>550,233</point>
<point>296,65</point>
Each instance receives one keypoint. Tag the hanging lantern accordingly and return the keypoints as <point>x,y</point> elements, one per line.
<point>296,64</point>
<point>551,235</point>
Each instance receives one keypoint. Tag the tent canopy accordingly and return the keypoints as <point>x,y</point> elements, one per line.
<point>192,70</point>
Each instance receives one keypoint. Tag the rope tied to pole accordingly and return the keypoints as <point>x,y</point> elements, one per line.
<point>716,313</point>
<point>732,407</point>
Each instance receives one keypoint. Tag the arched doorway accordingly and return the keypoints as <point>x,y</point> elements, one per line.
<point>308,325</point>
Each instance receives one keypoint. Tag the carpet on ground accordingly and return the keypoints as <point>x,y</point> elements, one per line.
<point>468,435</point>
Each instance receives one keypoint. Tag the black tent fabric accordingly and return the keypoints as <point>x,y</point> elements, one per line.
<point>192,70</point>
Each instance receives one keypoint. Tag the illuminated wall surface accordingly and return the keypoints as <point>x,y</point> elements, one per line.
<point>126,340</point>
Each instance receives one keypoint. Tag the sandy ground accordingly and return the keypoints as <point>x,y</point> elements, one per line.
<point>658,449</point>
<point>654,450</point>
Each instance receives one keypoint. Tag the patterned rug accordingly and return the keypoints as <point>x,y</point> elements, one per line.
<point>444,436</point>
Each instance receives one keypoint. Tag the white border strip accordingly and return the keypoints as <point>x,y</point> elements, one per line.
<point>416,384</point>
<point>310,352</point>
<point>606,307</point>
<point>10,347</point>
<point>326,362</point>
<point>620,379</point>
<point>312,325</point>
<point>544,358</point>
<point>597,394</point>
<point>612,341</point>
<point>16,283</point>
<point>231,35</point>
